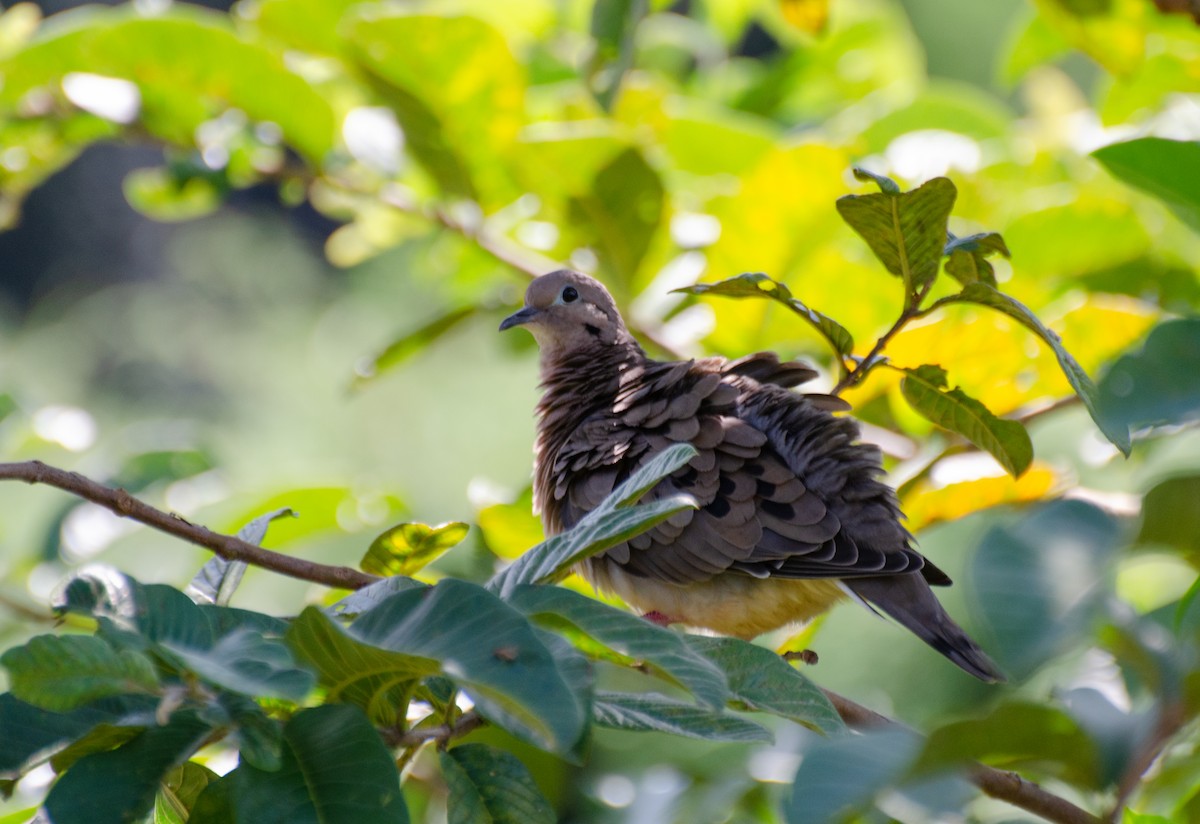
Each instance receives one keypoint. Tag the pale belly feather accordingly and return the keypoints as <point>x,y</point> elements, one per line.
<point>731,604</point>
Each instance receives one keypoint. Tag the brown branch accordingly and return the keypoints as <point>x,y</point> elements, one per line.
<point>1171,717</point>
<point>524,261</point>
<point>228,547</point>
<point>442,734</point>
<point>1002,785</point>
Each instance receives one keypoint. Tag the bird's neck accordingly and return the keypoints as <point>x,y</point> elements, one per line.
<point>576,385</point>
<point>579,382</point>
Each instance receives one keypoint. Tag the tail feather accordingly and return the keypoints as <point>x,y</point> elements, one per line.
<point>909,600</point>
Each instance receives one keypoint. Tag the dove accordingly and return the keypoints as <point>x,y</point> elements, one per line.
<point>791,515</point>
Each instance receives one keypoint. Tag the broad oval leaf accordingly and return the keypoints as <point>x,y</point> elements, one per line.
<point>1171,517</point>
<point>458,115</point>
<point>119,786</point>
<point>985,295</point>
<point>609,524</point>
<point>967,257</point>
<point>27,730</point>
<point>842,775</point>
<point>1040,583</point>
<point>64,672</point>
<point>246,662</point>
<point>1012,736</point>
<point>758,285</point>
<point>335,770</point>
<point>375,679</point>
<point>190,66</point>
<point>650,712</point>
<point>1157,384</point>
<point>761,680</point>
<point>487,648</point>
<point>925,388</point>
<point>179,790</point>
<point>1167,169</point>
<point>906,231</point>
<point>407,548</point>
<point>662,650</point>
<point>491,786</point>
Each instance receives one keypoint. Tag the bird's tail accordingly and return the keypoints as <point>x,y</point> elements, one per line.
<point>909,600</point>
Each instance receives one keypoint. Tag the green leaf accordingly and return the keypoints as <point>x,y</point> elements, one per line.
<point>925,389</point>
<point>179,790</point>
<point>458,115</point>
<point>1040,584</point>
<point>906,231</point>
<point>1159,383</point>
<point>258,736</point>
<point>758,285</point>
<point>62,673</point>
<point>1170,516</point>
<point>609,524</point>
<point>487,648</point>
<point>508,529</point>
<point>189,65</point>
<point>372,595</point>
<point>407,548</point>
<point>100,738</point>
<point>217,580</point>
<point>761,680</point>
<point>885,183</point>
<point>246,662</point>
<point>1166,169</point>
<point>335,770</point>
<point>985,295</point>
<point>968,257</point>
<point>119,786</point>
<point>613,25</point>
<point>26,730</point>
<point>663,651</point>
<point>376,680</point>
<point>620,212</point>
<point>491,786</point>
<point>841,776</point>
<point>650,712</point>
<point>412,343</point>
<point>159,194</point>
<point>1016,736</point>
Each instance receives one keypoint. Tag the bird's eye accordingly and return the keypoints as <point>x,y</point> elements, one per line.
<point>570,294</point>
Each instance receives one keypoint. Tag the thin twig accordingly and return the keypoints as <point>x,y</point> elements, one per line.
<point>1170,718</point>
<point>466,723</point>
<point>1003,785</point>
<point>121,503</point>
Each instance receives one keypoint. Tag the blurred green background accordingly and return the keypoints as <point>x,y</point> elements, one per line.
<point>200,333</point>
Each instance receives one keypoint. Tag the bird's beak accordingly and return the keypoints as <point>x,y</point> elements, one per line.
<point>519,318</point>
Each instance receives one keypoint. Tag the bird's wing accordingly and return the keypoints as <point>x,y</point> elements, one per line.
<point>756,513</point>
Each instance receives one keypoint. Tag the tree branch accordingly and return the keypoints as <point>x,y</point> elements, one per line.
<point>1171,717</point>
<point>1003,785</point>
<point>121,503</point>
<point>466,723</point>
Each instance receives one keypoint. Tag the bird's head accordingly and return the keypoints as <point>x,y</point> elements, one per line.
<point>568,311</point>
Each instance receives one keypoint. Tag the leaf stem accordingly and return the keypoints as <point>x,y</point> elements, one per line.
<point>912,311</point>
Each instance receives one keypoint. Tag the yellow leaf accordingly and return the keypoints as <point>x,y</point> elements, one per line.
<point>510,529</point>
<point>925,504</point>
<point>806,15</point>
